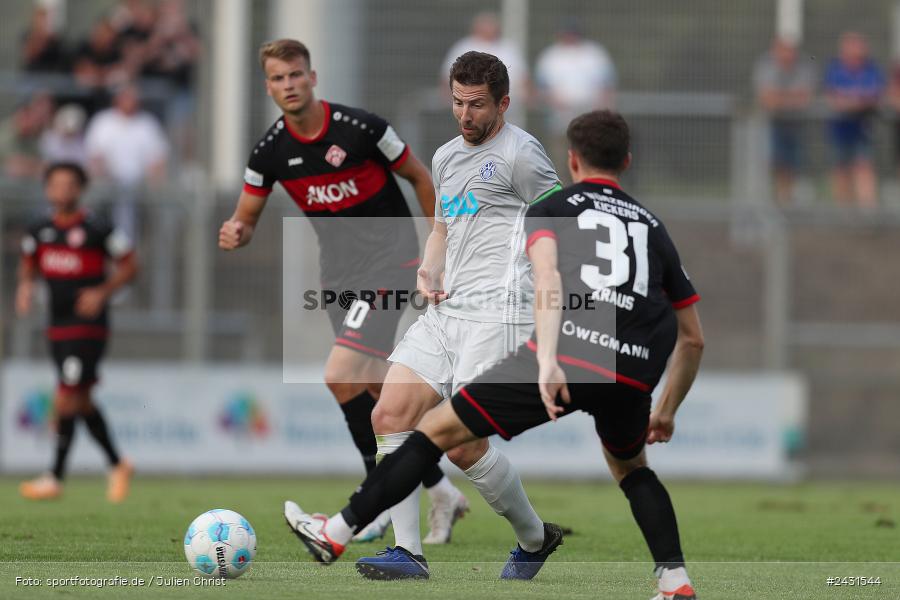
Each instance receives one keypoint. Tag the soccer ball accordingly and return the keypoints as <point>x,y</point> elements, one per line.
<point>220,543</point>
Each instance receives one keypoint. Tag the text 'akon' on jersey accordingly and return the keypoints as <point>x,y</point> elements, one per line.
<point>622,280</point>
<point>342,180</point>
<point>70,257</point>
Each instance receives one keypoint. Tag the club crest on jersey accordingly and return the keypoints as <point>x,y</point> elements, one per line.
<point>75,237</point>
<point>487,170</point>
<point>335,156</point>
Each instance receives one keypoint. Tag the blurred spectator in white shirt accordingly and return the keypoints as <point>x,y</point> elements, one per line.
<point>573,76</point>
<point>126,146</point>
<point>485,36</point>
<point>64,141</point>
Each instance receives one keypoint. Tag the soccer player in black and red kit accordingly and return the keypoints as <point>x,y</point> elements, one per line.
<point>71,249</point>
<point>337,164</point>
<point>593,244</point>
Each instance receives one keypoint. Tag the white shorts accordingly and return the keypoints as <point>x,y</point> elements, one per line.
<point>448,352</point>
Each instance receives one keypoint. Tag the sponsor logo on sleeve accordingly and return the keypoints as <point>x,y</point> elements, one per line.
<point>29,245</point>
<point>390,144</point>
<point>118,244</point>
<point>253,178</point>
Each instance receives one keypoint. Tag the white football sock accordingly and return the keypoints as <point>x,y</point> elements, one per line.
<point>404,514</point>
<point>337,530</point>
<point>499,484</point>
<point>443,490</point>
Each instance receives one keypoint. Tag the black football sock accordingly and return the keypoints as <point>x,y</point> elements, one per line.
<point>358,413</point>
<point>653,511</point>
<point>65,432</point>
<point>395,477</point>
<point>96,424</point>
<point>432,476</point>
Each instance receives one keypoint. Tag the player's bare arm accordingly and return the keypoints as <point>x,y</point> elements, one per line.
<point>238,230</point>
<point>25,288</point>
<point>416,174</point>
<point>91,300</point>
<point>430,273</point>
<point>683,367</point>
<point>547,318</point>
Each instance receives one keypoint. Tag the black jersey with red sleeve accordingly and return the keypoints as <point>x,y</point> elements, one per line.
<point>71,256</point>
<point>622,280</point>
<point>342,180</point>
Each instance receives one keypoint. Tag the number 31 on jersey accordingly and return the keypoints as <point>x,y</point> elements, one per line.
<point>614,252</point>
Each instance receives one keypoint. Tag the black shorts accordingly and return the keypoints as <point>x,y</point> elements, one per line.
<point>77,362</point>
<point>506,401</point>
<point>370,327</point>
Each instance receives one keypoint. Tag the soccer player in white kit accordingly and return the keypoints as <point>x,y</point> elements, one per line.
<point>478,279</point>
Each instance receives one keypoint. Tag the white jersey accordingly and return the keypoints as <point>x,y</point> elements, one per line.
<point>483,192</point>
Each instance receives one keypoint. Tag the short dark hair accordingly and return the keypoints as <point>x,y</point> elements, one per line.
<point>601,138</point>
<point>477,68</point>
<point>72,167</point>
<point>284,49</point>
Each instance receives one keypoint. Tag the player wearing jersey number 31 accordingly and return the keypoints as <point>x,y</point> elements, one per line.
<point>573,250</point>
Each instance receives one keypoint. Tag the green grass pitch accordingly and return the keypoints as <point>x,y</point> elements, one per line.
<point>742,541</point>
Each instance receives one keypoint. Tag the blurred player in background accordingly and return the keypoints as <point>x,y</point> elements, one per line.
<point>70,249</point>
<point>486,178</point>
<point>336,162</point>
<point>651,307</point>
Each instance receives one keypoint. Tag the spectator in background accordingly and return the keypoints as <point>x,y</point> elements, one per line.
<point>854,85</point>
<point>20,136</point>
<point>42,48</point>
<point>174,46</point>
<point>127,147</point>
<point>784,89</point>
<point>134,22</point>
<point>485,36</point>
<point>98,60</point>
<point>894,97</point>
<point>64,142</point>
<point>573,76</point>
<point>174,49</point>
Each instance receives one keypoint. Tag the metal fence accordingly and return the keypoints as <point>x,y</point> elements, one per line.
<point>810,288</point>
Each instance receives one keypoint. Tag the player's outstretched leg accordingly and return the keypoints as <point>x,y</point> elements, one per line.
<point>49,485</point>
<point>395,477</point>
<point>389,483</point>
<point>499,484</point>
<point>653,511</point>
